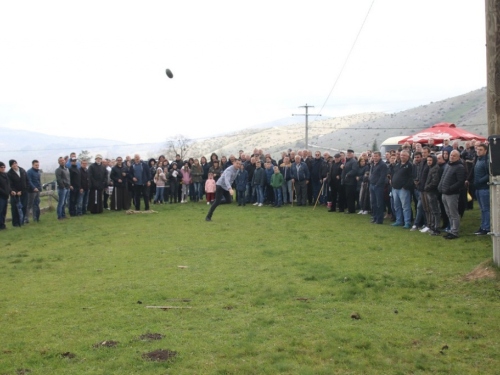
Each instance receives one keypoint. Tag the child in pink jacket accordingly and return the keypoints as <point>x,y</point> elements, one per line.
<point>210,188</point>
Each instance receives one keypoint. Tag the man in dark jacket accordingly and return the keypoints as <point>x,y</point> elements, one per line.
<point>378,176</point>
<point>319,168</point>
<point>98,177</point>
<point>402,184</point>
<point>75,188</point>
<point>34,188</point>
<point>300,180</point>
<point>81,206</point>
<point>5,192</point>
<point>452,182</point>
<point>349,173</point>
<point>334,181</point>
<point>19,184</point>
<point>139,173</point>
<point>63,184</point>
<point>481,179</point>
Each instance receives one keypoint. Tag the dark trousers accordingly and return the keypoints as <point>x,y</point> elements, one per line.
<point>73,201</point>
<point>219,193</point>
<point>301,192</point>
<point>138,191</point>
<point>350,197</point>
<point>377,201</point>
<point>3,212</point>
<point>23,199</point>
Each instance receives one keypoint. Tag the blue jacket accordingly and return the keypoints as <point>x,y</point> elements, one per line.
<point>269,174</point>
<point>145,176</point>
<point>482,173</point>
<point>241,180</point>
<point>302,174</point>
<point>34,179</point>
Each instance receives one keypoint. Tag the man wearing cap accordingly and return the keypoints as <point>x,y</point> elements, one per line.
<point>5,192</point>
<point>75,188</point>
<point>98,177</point>
<point>63,184</point>
<point>349,173</point>
<point>141,178</point>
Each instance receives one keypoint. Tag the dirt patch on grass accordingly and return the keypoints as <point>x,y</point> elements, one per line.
<point>68,355</point>
<point>160,355</point>
<point>151,336</point>
<point>107,344</point>
<point>228,307</point>
<point>22,371</point>
<point>485,270</point>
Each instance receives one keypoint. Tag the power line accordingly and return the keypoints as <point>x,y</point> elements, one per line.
<point>347,58</point>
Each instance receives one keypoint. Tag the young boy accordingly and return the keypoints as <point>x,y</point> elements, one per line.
<point>277,183</point>
<point>258,183</point>
<point>241,185</point>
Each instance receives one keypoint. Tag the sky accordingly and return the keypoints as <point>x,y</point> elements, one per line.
<point>96,69</point>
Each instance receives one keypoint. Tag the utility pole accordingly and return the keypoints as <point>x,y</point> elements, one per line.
<point>493,105</point>
<point>307,121</point>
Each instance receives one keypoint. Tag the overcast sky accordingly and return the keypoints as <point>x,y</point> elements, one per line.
<point>97,68</point>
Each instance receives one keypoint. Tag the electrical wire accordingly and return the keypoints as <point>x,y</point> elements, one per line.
<point>347,58</point>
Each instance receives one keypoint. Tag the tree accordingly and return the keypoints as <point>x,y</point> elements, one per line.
<point>84,155</point>
<point>178,144</point>
<point>374,145</point>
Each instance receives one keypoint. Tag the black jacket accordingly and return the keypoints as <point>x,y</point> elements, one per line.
<point>75,177</point>
<point>18,182</point>
<point>4,186</point>
<point>453,178</point>
<point>402,177</point>
<point>378,174</point>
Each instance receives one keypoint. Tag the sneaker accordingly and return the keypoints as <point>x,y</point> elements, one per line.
<point>256,204</point>
<point>260,205</point>
<point>360,212</point>
<point>365,213</point>
<point>413,228</point>
<point>407,226</point>
<point>207,203</point>
<point>481,232</point>
<point>425,230</point>
<point>450,236</point>
<point>208,219</point>
<point>396,224</point>
<point>435,233</point>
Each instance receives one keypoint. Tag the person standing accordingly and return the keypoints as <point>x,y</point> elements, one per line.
<point>63,184</point>
<point>450,186</point>
<point>34,188</point>
<point>300,179</point>
<point>349,173</point>
<point>402,184</point>
<point>75,189</point>
<point>481,179</point>
<point>83,201</point>
<point>98,182</point>
<point>5,192</point>
<point>19,184</point>
<point>334,181</point>
<point>120,199</point>
<point>223,187</point>
<point>378,176</point>
<point>140,174</point>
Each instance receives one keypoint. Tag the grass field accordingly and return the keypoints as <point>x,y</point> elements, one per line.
<point>271,291</point>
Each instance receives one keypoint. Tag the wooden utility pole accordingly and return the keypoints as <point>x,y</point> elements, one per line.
<point>307,122</point>
<point>493,103</point>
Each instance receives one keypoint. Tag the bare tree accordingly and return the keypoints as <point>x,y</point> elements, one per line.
<point>178,144</point>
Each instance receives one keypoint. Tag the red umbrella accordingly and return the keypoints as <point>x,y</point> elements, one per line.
<point>440,132</point>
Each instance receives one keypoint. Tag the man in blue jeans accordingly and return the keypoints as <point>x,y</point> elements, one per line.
<point>481,179</point>
<point>63,184</point>
<point>402,184</point>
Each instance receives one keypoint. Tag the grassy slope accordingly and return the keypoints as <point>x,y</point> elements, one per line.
<point>245,271</point>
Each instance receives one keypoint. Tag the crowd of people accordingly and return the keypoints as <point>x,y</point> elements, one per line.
<point>441,182</point>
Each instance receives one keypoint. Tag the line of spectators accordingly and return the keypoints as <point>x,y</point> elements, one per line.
<point>436,180</point>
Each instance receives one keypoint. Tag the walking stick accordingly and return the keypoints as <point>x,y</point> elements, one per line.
<point>319,195</point>
<point>116,198</point>
<point>293,190</point>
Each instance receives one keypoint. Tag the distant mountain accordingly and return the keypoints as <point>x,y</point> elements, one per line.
<point>360,132</point>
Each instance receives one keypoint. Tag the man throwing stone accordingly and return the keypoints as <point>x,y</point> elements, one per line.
<point>223,187</point>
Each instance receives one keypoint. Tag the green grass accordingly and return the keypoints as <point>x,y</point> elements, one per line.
<point>69,285</point>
